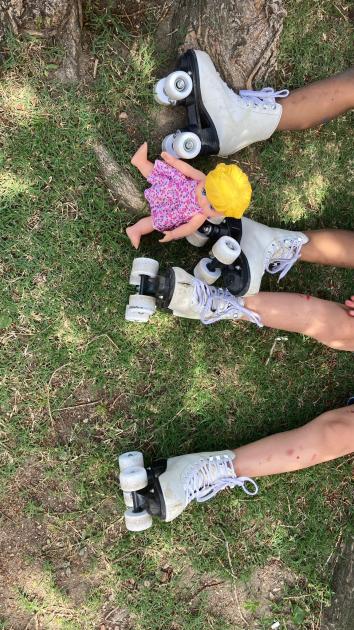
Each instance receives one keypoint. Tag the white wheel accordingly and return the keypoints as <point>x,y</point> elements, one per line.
<point>202,272</point>
<point>226,250</point>
<point>144,303</point>
<point>137,521</point>
<point>178,85</point>
<point>133,314</point>
<point>187,145</point>
<point>133,478</point>
<point>167,145</point>
<point>160,95</point>
<point>128,499</point>
<point>197,239</point>
<point>143,267</point>
<point>131,458</point>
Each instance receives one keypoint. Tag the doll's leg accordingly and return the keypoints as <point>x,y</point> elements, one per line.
<point>329,247</point>
<point>318,102</point>
<point>327,437</point>
<point>325,321</point>
<point>136,231</point>
<point>141,162</point>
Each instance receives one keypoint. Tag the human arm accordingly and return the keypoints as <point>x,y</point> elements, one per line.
<point>183,167</point>
<point>184,230</point>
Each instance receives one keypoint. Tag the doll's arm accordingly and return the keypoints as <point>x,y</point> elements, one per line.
<point>184,230</point>
<point>183,167</point>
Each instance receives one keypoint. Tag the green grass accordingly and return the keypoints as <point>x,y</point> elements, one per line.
<point>168,388</point>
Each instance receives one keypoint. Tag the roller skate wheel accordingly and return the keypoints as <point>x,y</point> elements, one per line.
<point>144,303</point>
<point>160,95</point>
<point>197,239</point>
<point>167,145</point>
<point>133,314</point>
<point>143,267</point>
<point>128,499</point>
<point>202,272</point>
<point>178,85</point>
<point>187,145</point>
<point>131,458</point>
<point>133,478</point>
<point>226,250</point>
<point>137,521</point>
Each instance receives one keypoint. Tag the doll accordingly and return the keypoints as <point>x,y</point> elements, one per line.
<point>181,198</point>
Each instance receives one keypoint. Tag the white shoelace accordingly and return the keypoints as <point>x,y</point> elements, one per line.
<point>265,97</point>
<point>283,255</point>
<point>204,479</point>
<point>217,304</point>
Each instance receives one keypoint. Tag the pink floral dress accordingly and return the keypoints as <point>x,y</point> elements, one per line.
<point>172,197</point>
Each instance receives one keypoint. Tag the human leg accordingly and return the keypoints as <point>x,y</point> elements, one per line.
<point>325,321</point>
<point>327,437</point>
<point>329,247</point>
<point>136,231</point>
<point>177,481</point>
<point>350,304</point>
<point>318,102</point>
<point>141,162</point>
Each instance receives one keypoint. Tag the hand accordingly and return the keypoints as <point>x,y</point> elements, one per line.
<point>350,304</point>
<point>168,158</point>
<point>168,237</point>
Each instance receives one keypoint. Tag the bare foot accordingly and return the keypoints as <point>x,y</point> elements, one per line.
<point>134,236</point>
<point>140,155</point>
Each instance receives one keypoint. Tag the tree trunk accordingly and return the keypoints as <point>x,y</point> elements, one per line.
<point>241,36</point>
<point>61,19</point>
<point>340,615</point>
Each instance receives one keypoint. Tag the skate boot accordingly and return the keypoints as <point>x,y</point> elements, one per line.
<point>183,294</point>
<point>262,249</point>
<point>220,121</point>
<point>167,487</point>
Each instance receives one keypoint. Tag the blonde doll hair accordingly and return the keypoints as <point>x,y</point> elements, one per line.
<point>228,190</point>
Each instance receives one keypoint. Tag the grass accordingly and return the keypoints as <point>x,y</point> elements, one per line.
<point>168,388</point>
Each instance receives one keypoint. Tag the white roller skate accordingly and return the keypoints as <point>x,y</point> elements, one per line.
<point>262,249</point>
<point>183,294</point>
<point>220,121</point>
<point>168,486</point>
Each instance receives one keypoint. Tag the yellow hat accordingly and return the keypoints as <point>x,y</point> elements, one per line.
<point>228,190</point>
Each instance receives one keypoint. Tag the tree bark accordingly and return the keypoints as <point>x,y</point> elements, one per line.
<point>61,19</point>
<point>241,36</point>
<point>340,615</point>
<point>119,182</point>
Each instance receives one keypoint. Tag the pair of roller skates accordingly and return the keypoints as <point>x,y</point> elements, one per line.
<point>165,488</point>
<point>220,121</point>
<point>242,250</point>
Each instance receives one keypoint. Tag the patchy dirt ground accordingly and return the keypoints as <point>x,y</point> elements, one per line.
<point>47,572</point>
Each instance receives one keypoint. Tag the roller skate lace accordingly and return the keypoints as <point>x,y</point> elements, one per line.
<point>265,98</point>
<point>282,255</point>
<point>204,479</point>
<point>217,304</point>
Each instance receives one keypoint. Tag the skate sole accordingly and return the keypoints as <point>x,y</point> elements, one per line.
<point>199,120</point>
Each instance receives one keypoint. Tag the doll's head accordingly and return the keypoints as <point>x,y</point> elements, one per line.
<point>228,190</point>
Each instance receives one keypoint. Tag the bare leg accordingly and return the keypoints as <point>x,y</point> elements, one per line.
<point>350,304</point>
<point>329,247</point>
<point>318,103</point>
<point>136,231</point>
<point>329,436</point>
<point>141,161</point>
<point>325,321</point>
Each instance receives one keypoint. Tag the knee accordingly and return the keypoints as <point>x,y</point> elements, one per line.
<point>338,432</point>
